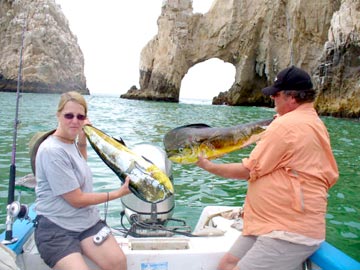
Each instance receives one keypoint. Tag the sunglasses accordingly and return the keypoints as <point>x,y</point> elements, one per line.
<point>70,116</point>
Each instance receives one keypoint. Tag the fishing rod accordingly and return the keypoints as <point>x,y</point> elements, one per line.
<point>14,208</point>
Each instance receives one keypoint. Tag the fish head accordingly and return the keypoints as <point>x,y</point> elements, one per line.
<point>151,184</point>
<point>183,144</point>
<point>184,151</point>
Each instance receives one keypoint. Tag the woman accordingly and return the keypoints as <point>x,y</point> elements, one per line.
<point>68,217</point>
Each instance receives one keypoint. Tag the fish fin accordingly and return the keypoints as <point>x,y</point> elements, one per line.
<point>120,140</point>
<point>198,125</point>
<point>148,160</point>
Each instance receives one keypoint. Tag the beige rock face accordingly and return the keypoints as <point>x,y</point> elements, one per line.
<point>259,38</point>
<point>52,59</point>
<point>338,75</point>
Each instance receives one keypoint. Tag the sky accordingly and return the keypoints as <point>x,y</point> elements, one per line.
<point>111,35</point>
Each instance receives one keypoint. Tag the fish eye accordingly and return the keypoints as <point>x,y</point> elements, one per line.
<point>181,150</point>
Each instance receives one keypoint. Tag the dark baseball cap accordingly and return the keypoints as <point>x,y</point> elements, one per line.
<point>291,78</point>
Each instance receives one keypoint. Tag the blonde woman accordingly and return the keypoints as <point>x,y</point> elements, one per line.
<point>68,217</point>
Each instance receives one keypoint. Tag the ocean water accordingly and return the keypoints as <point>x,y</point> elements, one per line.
<point>144,121</point>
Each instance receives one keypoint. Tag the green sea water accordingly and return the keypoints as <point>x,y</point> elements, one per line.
<point>144,121</point>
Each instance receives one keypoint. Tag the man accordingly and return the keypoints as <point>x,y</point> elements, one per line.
<point>289,173</point>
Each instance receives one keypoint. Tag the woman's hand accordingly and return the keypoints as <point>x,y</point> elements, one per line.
<point>87,121</point>
<point>82,136</point>
<point>124,189</point>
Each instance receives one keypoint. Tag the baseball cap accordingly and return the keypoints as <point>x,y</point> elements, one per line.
<point>291,78</point>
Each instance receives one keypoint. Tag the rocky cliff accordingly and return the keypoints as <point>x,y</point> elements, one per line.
<point>259,38</point>
<point>52,60</point>
<point>338,72</point>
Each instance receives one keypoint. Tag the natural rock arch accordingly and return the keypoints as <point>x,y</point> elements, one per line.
<point>258,37</point>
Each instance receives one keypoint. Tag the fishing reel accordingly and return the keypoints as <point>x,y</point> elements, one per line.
<point>15,210</point>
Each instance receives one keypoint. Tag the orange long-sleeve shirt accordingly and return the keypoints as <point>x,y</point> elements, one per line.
<point>291,169</point>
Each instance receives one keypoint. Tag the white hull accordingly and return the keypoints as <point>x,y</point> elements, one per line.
<point>177,252</point>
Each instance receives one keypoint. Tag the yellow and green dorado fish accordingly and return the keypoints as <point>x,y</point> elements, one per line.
<point>186,143</point>
<point>147,181</point>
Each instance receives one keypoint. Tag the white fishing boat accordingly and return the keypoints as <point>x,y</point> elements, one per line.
<point>153,239</point>
<point>159,247</point>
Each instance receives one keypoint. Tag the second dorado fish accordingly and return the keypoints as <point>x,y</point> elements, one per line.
<point>148,182</point>
<point>184,144</point>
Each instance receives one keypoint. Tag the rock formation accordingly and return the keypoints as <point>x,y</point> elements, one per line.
<point>52,59</point>
<point>338,75</point>
<point>259,38</point>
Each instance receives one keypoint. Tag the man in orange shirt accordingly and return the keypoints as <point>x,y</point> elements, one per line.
<point>289,173</point>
